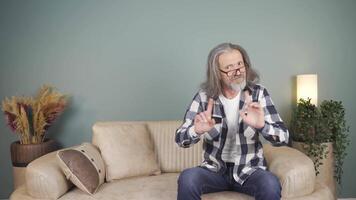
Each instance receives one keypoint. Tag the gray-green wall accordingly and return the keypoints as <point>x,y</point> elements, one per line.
<point>144,60</point>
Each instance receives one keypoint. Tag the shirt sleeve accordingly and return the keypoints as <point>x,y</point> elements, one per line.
<point>274,129</point>
<point>185,135</point>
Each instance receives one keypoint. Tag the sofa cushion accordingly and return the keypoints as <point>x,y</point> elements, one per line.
<point>158,187</point>
<point>84,166</point>
<point>171,157</point>
<point>163,186</point>
<point>127,149</point>
<point>45,179</point>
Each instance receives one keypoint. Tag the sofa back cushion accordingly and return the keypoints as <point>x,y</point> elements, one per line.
<point>126,148</point>
<point>171,157</point>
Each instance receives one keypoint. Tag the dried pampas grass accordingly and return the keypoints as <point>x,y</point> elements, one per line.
<point>31,117</point>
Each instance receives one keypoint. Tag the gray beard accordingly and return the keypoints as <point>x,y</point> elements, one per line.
<point>238,86</point>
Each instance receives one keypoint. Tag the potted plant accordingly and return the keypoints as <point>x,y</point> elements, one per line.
<point>321,133</point>
<point>31,118</point>
<point>333,115</point>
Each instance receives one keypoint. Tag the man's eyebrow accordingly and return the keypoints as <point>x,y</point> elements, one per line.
<point>240,61</point>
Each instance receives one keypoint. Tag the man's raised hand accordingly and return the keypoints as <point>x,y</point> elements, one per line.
<point>252,114</point>
<point>203,121</point>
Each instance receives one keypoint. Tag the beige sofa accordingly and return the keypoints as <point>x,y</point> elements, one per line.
<point>295,171</point>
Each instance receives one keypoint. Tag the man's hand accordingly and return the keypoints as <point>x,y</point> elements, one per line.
<point>202,121</point>
<point>252,114</point>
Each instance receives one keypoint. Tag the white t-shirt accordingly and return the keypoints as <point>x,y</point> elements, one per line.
<point>231,108</point>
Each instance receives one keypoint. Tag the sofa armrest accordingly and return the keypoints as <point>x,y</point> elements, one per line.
<point>45,179</point>
<point>294,169</point>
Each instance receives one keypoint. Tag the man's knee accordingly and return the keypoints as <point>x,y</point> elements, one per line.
<point>269,186</point>
<point>189,178</point>
<point>189,184</point>
<point>273,183</point>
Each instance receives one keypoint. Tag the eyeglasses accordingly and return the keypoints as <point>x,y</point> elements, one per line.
<point>234,71</point>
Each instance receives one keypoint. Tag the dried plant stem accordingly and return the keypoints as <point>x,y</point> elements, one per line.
<point>31,118</point>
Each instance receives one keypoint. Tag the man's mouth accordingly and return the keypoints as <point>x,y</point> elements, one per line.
<point>235,77</point>
<point>238,86</point>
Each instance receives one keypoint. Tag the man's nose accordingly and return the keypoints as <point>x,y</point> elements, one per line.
<point>238,72</point>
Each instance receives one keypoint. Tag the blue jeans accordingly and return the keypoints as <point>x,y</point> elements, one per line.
<point>194,182</point>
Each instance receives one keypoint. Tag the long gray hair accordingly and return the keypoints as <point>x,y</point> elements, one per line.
<point>212,86</point>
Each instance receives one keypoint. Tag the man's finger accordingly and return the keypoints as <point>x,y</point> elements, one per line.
<point>248,97</point>
<point>209,108</point>
<point>202,115</point>
<point>246,106</point>
<point>243,114</point>
<point>212,122</point>
<point>198,118</point>
<point>255,105</point>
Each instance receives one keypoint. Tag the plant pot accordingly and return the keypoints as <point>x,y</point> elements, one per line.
<point>23,154</point>
<point>326,170</point>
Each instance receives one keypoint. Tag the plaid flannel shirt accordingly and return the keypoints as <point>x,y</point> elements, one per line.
<point>249,146</point>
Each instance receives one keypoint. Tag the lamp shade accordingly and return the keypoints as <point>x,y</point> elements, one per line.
<point>307,87</point>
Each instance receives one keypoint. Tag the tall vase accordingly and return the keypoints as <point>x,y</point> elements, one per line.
<point>23,154</point>
<point>326,170</point>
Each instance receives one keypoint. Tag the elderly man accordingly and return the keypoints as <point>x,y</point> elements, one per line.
<point>228,114</point>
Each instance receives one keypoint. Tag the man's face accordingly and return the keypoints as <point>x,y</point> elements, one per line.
<point>232,69</point>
